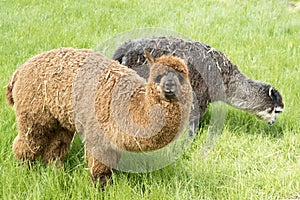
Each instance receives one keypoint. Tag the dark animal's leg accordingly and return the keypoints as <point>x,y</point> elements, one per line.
<point>99,172</point>
<point>59,142</point>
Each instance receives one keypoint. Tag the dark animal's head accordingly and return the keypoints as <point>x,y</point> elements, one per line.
<point>170,74</point>
<point>271,105</point>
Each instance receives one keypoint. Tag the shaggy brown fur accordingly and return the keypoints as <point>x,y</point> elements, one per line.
<point>43,92</point>
<point>141,106</point>
<point>40,91</point>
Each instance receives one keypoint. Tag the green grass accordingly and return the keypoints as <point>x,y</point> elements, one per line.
<point>250,161</point>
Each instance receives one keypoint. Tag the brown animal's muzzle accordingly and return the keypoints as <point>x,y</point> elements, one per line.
<point>170,86</point>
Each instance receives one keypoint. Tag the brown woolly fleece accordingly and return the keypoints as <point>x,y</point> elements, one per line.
<point>133,114</point>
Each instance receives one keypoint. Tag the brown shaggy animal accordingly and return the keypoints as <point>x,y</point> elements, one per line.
<point>50,100</point>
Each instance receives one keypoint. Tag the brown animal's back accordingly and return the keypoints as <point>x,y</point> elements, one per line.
<point>45,82</point>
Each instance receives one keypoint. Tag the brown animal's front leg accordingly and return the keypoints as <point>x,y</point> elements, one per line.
<point>99,172</point>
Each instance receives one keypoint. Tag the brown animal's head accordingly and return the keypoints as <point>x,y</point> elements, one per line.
<point>271,107</point>
<point>170,74</point>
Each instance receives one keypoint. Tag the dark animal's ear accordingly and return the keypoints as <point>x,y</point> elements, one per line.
<point>149,57</point>
<point>273,94</point>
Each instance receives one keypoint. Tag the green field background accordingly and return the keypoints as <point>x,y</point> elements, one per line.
<point>251,160</point>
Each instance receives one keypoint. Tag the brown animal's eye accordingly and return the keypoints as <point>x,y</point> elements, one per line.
<point>158,78</point>
<point>181,79</point>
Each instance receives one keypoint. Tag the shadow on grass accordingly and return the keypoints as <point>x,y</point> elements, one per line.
<point>75,157</point>
<point>240,122</point>
<point>245,123</point>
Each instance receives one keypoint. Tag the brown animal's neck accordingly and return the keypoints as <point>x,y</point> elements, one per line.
<point>148,98</point>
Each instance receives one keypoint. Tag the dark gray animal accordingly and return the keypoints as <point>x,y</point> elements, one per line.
<point>213,76</point>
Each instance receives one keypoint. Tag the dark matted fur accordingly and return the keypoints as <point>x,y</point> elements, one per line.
<point>213,76</point>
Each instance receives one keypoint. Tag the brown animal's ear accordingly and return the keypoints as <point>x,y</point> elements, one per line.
<point>149,57</point>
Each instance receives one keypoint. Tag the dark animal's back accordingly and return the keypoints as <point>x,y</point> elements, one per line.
<point>204,63</point>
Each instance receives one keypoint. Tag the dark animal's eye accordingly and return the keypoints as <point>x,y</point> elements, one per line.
<point>158,78</point>
<point>270,110</point>
<point>278,110</point>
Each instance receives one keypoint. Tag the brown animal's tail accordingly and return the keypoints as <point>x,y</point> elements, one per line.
<point>9,88</point>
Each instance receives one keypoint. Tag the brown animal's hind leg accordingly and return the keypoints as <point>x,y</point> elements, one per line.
<point>59,142</point>
<point>23,151</point>
<point>29,143</point>
<point>99,172</point>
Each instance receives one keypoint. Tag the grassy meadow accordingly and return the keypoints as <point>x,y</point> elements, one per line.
<point>251,160</point>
